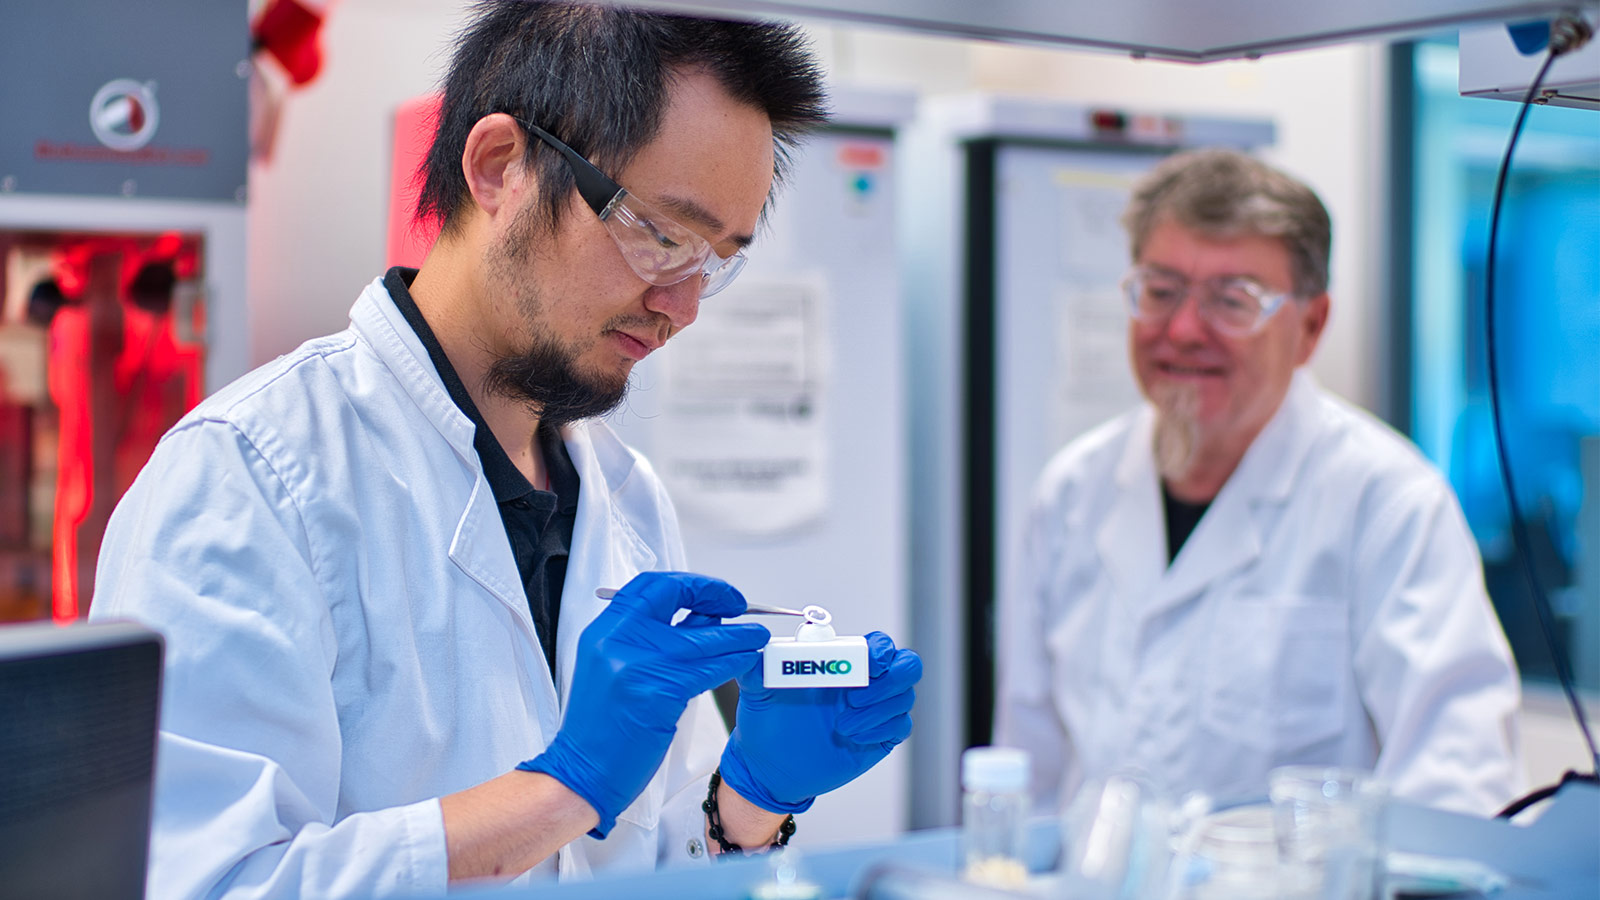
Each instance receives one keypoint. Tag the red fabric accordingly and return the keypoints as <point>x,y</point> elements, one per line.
<point>291,32</point>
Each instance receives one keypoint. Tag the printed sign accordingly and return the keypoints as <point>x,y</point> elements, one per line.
<point>154,102</point>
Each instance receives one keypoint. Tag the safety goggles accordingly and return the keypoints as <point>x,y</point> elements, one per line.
<point>660,249</point>
<point>1237,307</point>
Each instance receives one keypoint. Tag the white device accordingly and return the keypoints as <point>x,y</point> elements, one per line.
<point>815,656</point>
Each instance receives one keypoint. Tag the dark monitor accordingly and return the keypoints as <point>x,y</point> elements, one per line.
<point>78,712</point>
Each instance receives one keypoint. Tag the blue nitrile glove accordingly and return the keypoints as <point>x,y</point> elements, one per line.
<point>636,673</point>
<point>791,744</point>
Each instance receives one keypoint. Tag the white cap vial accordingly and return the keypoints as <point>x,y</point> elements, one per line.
<point>994,770</point>
<point>816,627</point>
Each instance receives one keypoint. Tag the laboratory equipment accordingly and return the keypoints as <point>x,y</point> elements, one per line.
<point>816,656</point>
<point>1329,826</point>
<point>785,878</point>
<point>1417,874</point>
<point>90,379</point>
<point>994,814</point>
<point>1233,855</point>
<point>1118,837</point>
<point>1494,65</point>
<point>146,145</point>
<point>1550,859</point>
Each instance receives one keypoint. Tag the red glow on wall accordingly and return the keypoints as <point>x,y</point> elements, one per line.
<point>410,240</point>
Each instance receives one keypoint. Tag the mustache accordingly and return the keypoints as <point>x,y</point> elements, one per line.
<point>649,323</point>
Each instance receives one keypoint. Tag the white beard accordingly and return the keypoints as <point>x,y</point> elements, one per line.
<point>1177,433</point>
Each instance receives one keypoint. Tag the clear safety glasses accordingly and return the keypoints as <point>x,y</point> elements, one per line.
<point>660,249</point>
<point>1237,307</point>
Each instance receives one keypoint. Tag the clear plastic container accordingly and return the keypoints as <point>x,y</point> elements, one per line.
<point>1329,820</point>
<point>1233,855</point>
<point>1118,838</point>
<point>994,816</point>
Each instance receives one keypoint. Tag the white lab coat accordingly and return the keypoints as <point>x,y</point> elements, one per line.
<point>347,636</point>
<point>1328,608</point>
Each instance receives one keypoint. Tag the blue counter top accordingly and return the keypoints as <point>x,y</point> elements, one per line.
<point>1558,856</point>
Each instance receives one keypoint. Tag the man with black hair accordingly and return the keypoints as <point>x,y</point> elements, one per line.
<point>375,560</point>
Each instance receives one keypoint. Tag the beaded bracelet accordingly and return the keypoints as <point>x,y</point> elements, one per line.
<point>714,822</point>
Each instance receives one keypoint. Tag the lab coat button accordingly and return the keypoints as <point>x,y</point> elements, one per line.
<point>696,849</point>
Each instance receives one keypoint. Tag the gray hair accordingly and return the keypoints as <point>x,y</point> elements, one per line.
<point>1226,194</point>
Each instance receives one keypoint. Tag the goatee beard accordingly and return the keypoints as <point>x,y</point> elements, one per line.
<point>546,381</point>
<point>1177,432</point>
<point>545,377</point>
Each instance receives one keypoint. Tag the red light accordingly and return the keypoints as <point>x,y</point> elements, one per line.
<point>166,246</point>
<point>1108,120</point>
<point>861,156</point>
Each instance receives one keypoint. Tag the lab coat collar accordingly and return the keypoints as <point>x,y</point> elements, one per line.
<point>377,320</point>
<point>1273,462</point>
<point>606,551</point>
<point>1130,540</point>
<point>478,546</point>
<point>1229,536</point>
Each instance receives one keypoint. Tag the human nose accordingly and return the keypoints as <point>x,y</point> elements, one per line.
<point>679,302</point>
<point>1186,324</point>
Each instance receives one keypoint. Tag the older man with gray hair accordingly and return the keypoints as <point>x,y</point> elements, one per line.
<point>1248,572</point>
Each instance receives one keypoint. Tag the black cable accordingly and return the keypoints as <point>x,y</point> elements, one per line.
<point>1567,33</point>
<point>1529,799</point>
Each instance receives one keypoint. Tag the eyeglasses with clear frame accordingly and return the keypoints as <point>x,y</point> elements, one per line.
<point>1237,307</point>
<point>657,247</point>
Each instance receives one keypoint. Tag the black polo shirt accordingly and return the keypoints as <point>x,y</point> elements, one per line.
<point>538,522</point>
<point>1182,517</point>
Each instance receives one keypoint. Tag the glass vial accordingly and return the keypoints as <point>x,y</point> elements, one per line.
<point>784,879</point>
<point>994,816</point>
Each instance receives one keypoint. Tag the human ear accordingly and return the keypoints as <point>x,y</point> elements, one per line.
<point>1313,319</point>
<point>492,162</point>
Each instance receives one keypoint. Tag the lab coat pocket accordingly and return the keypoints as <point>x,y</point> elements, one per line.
<point>1277,671</point>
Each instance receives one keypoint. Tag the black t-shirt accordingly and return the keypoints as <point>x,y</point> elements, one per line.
<point>538,523</point>
<point>1182,517</point>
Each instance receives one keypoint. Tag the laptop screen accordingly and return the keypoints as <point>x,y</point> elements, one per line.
<point>78,713</point>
